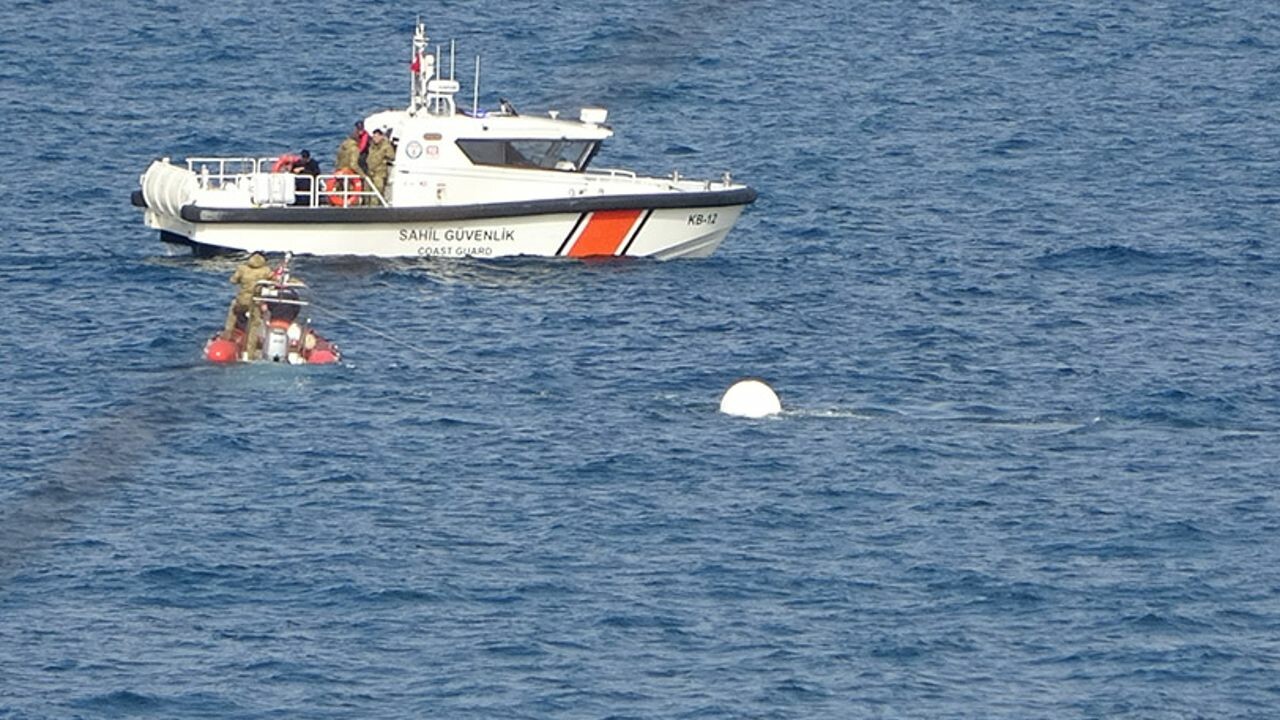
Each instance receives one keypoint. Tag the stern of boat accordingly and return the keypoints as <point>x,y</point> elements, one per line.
<point>164,189</point>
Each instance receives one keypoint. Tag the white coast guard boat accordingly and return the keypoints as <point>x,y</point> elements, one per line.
<point>463,183</point>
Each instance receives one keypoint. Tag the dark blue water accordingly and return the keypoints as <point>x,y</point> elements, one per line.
<point>1013,271</point>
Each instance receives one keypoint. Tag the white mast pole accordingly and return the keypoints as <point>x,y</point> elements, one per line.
<point>475,90</point>
<point>416,61</point>
<point>418,79</point>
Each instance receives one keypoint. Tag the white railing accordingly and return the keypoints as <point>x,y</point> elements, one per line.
<point>215,172</point>
<point>252,174</point>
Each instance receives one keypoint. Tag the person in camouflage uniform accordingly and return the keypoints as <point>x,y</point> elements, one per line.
<point>381,153</point>
<point>247,277</point>
<point>348,154</point>
<point>349,159</point>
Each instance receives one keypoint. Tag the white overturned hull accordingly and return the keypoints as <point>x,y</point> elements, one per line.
<point>595,227</point>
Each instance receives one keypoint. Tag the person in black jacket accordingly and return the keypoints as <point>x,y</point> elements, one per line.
<point>307,169</point>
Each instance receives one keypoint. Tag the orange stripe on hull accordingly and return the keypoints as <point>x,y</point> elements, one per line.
<point>604,232</point>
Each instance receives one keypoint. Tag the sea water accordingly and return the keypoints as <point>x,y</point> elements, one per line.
<point>1013,272</point>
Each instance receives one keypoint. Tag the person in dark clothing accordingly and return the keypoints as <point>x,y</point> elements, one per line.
<point>306,164</point>
<point>362,141</point>
<point>307,169</point>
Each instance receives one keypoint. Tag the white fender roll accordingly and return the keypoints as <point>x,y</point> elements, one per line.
<point>750,398</point>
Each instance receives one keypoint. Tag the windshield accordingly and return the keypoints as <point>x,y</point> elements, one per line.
<point>567,155</point>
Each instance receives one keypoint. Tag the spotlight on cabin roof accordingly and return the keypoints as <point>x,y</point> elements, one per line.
<point>593,115</point>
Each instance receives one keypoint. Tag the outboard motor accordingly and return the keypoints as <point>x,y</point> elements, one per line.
<point>283,314</point>
<point>277,343</point>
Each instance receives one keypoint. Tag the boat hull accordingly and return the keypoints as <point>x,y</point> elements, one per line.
<point>662,226</point>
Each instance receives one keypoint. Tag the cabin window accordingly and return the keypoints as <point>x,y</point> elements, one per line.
<point>568,155</point>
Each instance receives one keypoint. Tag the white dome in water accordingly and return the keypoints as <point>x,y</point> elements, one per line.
<point>750,398</point>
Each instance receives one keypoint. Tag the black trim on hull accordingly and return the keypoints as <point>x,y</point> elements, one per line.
<point>137,199</point>
<point>636,234</point>
<point>198,249</point>
<point>567,238</point>
<point>363,215</point>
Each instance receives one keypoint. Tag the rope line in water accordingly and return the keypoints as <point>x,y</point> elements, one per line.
<point>387,336</point>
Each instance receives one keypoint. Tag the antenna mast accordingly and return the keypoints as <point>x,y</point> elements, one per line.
<point>431,92</point>
<point>422,68</point>
<point>475,90</point>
